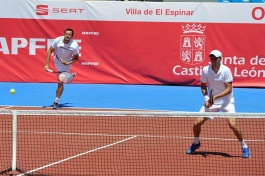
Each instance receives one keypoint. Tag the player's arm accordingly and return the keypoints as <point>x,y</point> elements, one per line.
<point>228,90</point>
<point>74,59</point>
<point>48,57</point>
<point>228,79</point>
<point>205,94</point>
<point>204,88</point>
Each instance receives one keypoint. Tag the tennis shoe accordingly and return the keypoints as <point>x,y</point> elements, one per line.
<point>193,147</point>
<point>74,74</point>
<point>55,106</point>
<point>246,153</point>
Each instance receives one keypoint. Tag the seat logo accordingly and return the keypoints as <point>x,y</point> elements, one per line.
<point>42,10</point>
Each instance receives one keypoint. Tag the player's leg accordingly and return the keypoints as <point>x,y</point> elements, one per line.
<point>60,67</point>
<point>232,124</point>
<point>60,89</point>
<point>230,107</point>
<point>59,92</point>
<point>196,131</point>
<point>197,127</point>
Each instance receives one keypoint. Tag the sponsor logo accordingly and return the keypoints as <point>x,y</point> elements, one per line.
<point>41,9</point>
<point>15,46</point>
<point>44,10</point>
<point>192,44</point>
<point>258,13</point>
<point>89,33</point>
<point>90,63</point>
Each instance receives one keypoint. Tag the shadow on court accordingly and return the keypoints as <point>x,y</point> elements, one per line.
<point>205,154</point>
<point>63,105</point>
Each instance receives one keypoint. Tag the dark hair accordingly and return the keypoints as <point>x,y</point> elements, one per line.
<point>69,29</point>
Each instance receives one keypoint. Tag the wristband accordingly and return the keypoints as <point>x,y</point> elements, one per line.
<point>206,98</point>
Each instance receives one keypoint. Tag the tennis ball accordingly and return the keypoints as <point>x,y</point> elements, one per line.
<point>12,91</point>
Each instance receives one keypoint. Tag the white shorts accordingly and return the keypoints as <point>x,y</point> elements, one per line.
<point>225,107</point>
<point>229,107</point>
<point>61,67</point>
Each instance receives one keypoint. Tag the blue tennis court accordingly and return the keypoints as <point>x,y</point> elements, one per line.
<point>143,97</point>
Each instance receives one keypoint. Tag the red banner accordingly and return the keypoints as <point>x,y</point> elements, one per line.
<point>126,51</point>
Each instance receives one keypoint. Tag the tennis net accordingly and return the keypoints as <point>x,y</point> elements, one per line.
<point>127,143</point>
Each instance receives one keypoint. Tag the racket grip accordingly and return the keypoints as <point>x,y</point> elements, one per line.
<point>206,98</point>
<point>49,70</point>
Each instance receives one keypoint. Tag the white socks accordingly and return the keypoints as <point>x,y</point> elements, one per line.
<point>57,100</point>
<point>243,144</point>
<point>196,140</point>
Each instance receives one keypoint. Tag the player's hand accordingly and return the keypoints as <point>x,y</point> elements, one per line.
<point>46,67</point>
<point>207,104</point>
<point>63,62</point>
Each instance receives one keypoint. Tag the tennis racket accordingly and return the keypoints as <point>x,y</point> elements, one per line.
<point>211,101</point>
<point>63,76</point>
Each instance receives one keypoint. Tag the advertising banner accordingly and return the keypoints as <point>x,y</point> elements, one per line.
<point>134,42</point>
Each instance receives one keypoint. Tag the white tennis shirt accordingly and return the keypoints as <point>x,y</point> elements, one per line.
<point>65,52</point>
<point>216,81</point>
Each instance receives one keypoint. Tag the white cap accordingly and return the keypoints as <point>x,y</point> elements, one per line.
<point>216,53</point>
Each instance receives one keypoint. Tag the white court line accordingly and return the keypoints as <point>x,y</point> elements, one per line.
<point>138,135</point>
<point>7,107</point>
<point>99,109</point>
<point>58,162</point>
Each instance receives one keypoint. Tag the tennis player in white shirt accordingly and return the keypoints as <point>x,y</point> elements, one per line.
<point>219,78</point>
<point>66,53</point>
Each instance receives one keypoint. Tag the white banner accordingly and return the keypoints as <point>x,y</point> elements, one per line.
<point>134,11</point>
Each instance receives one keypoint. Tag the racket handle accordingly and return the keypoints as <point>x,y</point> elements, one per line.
<point>49,70</point>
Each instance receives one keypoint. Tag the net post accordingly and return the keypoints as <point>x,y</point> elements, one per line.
<point>14,141</point>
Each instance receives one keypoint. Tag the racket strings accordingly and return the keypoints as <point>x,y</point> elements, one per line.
<point>65,77</point>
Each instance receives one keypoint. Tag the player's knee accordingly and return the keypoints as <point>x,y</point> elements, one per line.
<point>231,123</point>
<point>199,122</point>
<point>196,123</point>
